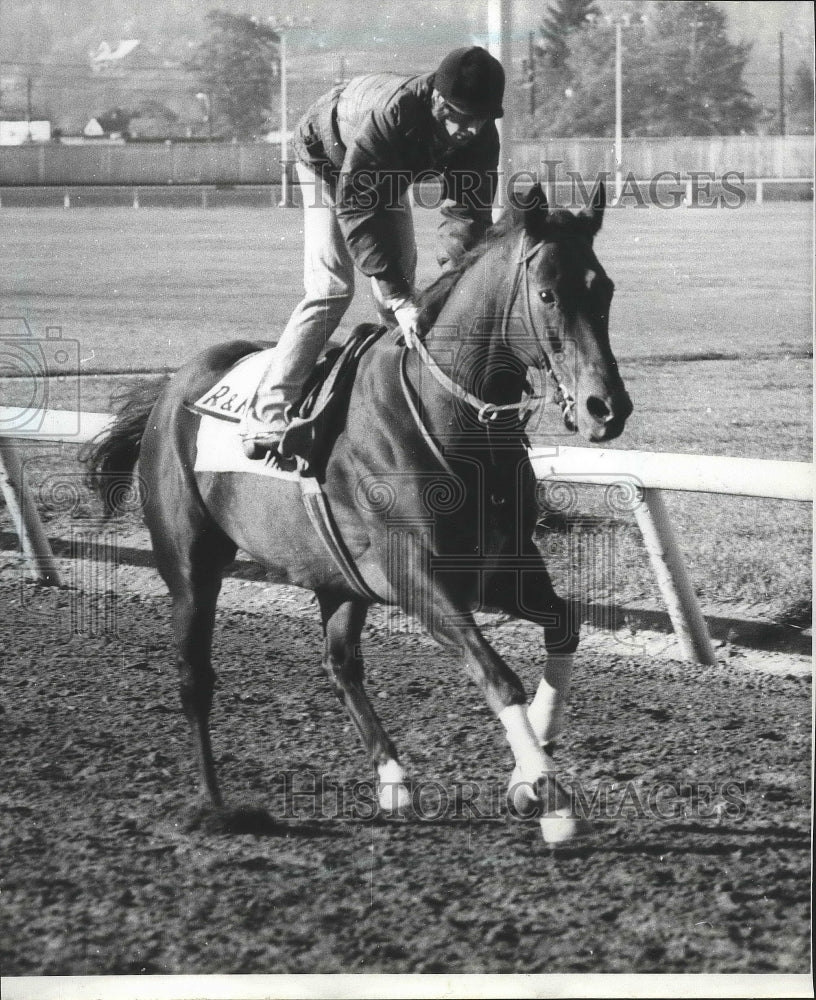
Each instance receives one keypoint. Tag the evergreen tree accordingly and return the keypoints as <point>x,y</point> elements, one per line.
<point>681,76</point>
<point>550,73</point>
<point>237,66</point>
<point>563,17</point>
<point>695,76</point>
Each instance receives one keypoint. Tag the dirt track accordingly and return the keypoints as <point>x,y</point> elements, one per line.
<point>107,872</point>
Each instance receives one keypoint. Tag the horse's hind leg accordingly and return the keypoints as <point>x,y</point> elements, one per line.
<point>191,557</point>
<point>342,625</point>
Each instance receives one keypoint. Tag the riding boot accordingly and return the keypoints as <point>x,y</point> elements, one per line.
<point>266,418</point>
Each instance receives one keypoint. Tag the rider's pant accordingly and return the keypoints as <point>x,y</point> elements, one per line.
<point>328,282</point>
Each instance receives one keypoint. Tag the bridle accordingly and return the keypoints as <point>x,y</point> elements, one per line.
<point>487,413</point>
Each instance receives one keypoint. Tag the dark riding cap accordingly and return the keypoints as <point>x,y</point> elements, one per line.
<point>472,81</point>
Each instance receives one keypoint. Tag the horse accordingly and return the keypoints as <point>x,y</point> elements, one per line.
<point>428,482</point>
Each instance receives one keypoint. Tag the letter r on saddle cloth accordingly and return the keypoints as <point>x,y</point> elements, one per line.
<point>357,150</point>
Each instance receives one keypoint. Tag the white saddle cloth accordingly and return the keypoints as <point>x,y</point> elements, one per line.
<point>218,446</point>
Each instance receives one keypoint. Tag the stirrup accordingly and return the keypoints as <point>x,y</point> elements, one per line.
<point>270,454</point>
<point>260,439</point>
<point>268,450</point>
<point>258,446</point>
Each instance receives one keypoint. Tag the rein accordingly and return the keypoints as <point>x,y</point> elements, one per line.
<point>488,412</point>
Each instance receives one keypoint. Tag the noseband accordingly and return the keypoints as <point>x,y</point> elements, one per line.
<point>488,412</point>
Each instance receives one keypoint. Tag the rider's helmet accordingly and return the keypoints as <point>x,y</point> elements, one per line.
<point>472,82</point>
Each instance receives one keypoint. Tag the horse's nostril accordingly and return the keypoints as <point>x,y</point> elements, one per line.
<point>598,409</point>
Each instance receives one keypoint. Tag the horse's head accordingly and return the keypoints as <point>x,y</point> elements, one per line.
<point>568,298</point>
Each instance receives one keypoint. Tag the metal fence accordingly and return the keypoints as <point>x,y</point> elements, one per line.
<point>259,163</point>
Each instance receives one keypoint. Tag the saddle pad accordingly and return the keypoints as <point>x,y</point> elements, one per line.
<point>233,392</point>
<point>219,449</point>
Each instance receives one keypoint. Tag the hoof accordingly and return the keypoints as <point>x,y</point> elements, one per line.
<point>393,797</point>
<point>241,819</point>
<point>521,797</point>
<point>560,827</point>
<point>392,794</point>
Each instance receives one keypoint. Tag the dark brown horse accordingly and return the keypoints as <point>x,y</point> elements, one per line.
<point>428,482</point>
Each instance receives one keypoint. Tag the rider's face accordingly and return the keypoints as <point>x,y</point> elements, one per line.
<point>461,129</point>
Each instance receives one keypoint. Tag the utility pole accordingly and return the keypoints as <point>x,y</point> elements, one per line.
<point>206,100</point>
<point>781,83</point>
<point>500,33</point>
<point>28,108</point>
<point>618,112</point>
<point>1,62</point>
<point>531,64</point>
<point>284,125</point>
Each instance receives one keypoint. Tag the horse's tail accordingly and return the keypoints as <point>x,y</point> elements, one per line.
<point>112,455</point>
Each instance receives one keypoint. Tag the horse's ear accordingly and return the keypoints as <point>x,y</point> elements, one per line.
<point>535,208</point>
<point>595,213</point>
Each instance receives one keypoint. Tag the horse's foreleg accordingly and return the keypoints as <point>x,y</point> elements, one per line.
<point>504,693</point>
<point>528,594</point>
<point>342,624</point>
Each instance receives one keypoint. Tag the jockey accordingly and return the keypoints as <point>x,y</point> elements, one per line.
<point>358,149</point>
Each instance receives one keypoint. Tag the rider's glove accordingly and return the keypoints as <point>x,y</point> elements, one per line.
<point>407,313</point>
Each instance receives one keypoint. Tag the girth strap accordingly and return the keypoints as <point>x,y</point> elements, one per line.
<point>317,508</point>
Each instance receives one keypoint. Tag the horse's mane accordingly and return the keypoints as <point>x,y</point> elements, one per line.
<point>559,224</point>
<point>434,297</point>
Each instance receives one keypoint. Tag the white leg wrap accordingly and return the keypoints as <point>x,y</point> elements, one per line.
<point>392,793</point>
<point>546,711</point>
<point>532,761</point>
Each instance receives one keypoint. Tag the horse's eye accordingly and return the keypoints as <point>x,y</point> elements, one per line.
<point>547,295</point>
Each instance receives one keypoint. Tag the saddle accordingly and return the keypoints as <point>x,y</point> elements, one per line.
<point>320,414</point>
<point>319,417</point>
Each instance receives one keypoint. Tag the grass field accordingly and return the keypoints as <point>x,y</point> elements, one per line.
<point>712,323</point>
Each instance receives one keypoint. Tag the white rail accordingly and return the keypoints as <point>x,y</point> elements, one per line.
<point>751,477</point>
<point>642,476</point>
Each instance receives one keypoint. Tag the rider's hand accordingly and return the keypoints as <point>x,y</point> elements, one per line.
<point>407,313</point>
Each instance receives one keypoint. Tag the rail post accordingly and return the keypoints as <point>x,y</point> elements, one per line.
<point>672,577</point>
<point>40,562</point>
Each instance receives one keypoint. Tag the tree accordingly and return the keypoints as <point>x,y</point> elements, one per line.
<point>237,68</point>
<point>549,74</point>
<point>695,76</point>
<point>563,17</point>
<point>681,76</point>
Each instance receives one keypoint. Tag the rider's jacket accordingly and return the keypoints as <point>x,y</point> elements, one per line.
<point>371,137</point>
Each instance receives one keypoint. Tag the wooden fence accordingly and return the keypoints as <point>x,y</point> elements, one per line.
<point>259,163</point>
